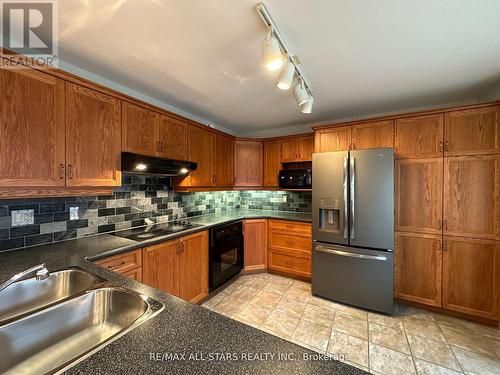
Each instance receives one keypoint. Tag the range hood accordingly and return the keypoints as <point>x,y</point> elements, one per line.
<point>143,164</point>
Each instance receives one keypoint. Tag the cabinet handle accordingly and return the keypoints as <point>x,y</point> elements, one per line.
<point>70,171</point>
<point>61,171</point>
<point>182,247</point>
<point>446,144</point>
<point>445,246</point>
<point>439,224</point>
<point>439,245</point>
<point>445,224</point>
<point>440,146</point>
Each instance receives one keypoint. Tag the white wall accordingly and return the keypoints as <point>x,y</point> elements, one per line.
<point>492,93</point>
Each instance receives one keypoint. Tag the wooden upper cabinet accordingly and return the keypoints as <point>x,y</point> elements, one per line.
<point>289,149</point>
<point>247,163</point>
<point>334,139</point>
<point>472,196</point>
<point>305,148</point>
<point>417,268</point>
<point>271,163</point>
<point>93,137</point>
<point>223,161</point>
<point>419,195</point>
<point>373,135</point>
<point>200,145</point>
<point>32,144</point>
<point>255,234</point>
<point>471,277</point>
<point>140,130</point>
<point>472,131</point>
<point>160,267</point>
<point>419,137</point>
<point>193,267</point>
<point>173,138</point>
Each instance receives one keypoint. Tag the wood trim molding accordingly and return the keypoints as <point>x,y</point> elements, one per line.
<point>408,114</point>
<point>30,192</point>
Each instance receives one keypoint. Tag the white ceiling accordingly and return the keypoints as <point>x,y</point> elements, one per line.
<point>359,56</point>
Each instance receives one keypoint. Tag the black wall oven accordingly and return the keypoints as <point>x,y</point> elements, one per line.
<point>225,253</point>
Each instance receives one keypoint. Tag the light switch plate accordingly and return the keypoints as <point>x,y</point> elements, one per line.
<point>22,217</point>
<point>73,213</point>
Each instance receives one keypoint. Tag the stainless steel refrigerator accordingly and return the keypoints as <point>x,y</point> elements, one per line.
<point>353,227</point>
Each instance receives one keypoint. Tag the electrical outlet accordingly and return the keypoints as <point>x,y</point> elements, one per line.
<point>22,217</point>
<point>73,213</point>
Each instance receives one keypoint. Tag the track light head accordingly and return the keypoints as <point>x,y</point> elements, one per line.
<point>300,92</point>
<point>285,78</point>
<point>273,58</point>
<point>307,106</point>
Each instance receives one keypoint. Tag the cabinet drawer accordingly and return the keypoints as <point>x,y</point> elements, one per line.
<point>296,263</point>
<point>135,274</point>
<point>280,240</point>
<point>288,227</point>
<point>122,263</point>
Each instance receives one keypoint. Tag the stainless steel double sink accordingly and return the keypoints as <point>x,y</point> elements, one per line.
<point>48,325</point>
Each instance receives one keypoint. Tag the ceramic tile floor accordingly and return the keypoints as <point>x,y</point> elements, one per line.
<point>413,341</point>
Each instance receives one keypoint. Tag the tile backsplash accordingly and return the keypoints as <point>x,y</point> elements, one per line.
<point>138,198</point>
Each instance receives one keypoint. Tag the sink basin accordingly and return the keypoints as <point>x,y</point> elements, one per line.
<point>54,338</point>
<point>29,294</point>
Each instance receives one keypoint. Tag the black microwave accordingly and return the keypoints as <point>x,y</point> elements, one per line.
<point>295,179</point>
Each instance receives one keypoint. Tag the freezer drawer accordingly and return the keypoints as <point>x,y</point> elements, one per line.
<point>358,277</point>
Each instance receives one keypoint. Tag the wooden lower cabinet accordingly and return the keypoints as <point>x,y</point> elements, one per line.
<point>290,248</point>
<point>179,267</point>
<point>193,267</point>
<point>417,268</point>
<point>135,274</point>
<point>471,276</point>
<point>255,244</point>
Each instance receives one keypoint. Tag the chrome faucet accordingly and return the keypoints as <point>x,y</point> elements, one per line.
<point>41,274</point>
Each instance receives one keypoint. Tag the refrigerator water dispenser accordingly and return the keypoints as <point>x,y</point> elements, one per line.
<point>329,215</point>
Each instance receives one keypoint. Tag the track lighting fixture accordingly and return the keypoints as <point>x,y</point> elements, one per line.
<point>307,106</point>
<point>273,49</point>
<point>285,78</point>
<point>300,92</point>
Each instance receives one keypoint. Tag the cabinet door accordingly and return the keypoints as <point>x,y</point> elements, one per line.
<point>31,129</point>
<point>201,151</point>
<point>247,164</point>
<point>193,267</point>
<point>373,135</point>
<point>335,139</point>
<point>93,137</point>
<point>306,148</point>
<point>223,161</point>
<point>255,234</point>
<point>472,131</point>
<point>419,137</point>
<point>140,130</point>
<point>472,196</point>
<point>419,195</point>
<point>173,138</point>
<point>289,150</point>
<point>271,163</point>
<point>417,268</point>
<point>160,267</point>
<point>471,276</point>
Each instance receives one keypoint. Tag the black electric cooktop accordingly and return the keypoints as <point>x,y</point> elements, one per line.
<point>156,230</point>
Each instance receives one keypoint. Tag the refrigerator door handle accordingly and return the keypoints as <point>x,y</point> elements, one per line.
<point>349,254</point>
<point>346,214</point>
<point>353,193</point>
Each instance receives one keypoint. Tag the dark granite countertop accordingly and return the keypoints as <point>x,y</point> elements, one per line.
<point>181,327</point>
